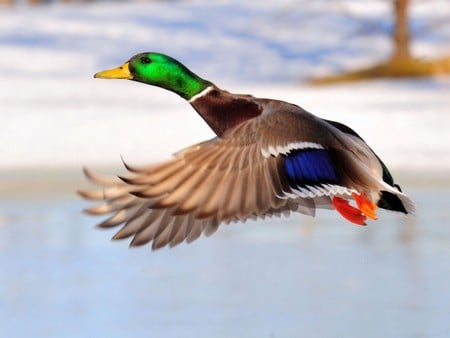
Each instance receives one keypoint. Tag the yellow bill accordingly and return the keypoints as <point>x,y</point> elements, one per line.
<point>122,72</point>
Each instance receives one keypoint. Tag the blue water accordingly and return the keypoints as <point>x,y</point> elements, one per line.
<point>296,277</point>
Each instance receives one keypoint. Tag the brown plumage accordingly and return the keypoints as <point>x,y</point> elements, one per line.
<point>228,178</point>
<point>269,158</point>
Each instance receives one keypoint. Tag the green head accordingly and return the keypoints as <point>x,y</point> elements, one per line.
<point>158,70</point>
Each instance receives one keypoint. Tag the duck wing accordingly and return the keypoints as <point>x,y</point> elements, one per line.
<point>284,161</point>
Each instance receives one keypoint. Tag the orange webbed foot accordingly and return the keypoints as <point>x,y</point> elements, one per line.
<point>349,212</point>
<point>366,206</point>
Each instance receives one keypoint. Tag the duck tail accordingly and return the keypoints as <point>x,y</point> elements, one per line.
<point>395,200</point>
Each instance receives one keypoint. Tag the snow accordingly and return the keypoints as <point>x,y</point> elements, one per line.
<point>54,114</point>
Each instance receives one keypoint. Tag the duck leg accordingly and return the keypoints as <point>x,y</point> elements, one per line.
<point>365,208</point>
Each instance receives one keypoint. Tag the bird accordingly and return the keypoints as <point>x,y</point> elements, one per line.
<point>268,158</point>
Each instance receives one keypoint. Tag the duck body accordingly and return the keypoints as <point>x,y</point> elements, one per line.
<point>269,158</point>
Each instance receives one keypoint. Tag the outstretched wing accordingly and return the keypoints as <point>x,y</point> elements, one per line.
<point>256,169</point>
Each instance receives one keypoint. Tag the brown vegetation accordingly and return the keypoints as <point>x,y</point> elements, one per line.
<point>401,63</point>
<point>393,68</point>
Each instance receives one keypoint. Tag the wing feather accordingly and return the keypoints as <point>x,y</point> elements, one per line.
<point>238,176</point>
<point>147,231</point>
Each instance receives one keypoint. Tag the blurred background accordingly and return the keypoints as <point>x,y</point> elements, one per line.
<point>379,66</point>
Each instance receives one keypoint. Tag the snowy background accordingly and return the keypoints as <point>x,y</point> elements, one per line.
<point>297,277</point>
<point>55,114</point>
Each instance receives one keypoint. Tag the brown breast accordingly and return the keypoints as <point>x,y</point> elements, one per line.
<point>222,110</point>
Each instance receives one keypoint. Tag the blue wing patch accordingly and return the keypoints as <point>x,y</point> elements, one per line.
<point>309,167</point>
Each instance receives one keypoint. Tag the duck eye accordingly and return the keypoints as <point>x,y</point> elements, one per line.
<point>145,60</point>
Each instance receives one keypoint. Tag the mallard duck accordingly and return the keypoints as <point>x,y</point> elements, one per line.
<point>269,158</point>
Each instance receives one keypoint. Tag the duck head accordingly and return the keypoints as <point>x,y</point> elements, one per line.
<point>158,70</point>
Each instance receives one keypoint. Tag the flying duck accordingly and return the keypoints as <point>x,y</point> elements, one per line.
<point>269,158</point>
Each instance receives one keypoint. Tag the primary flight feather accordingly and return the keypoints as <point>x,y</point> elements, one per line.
<point>269,158</point>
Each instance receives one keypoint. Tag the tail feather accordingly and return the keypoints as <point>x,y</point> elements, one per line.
<point>391,201</point>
